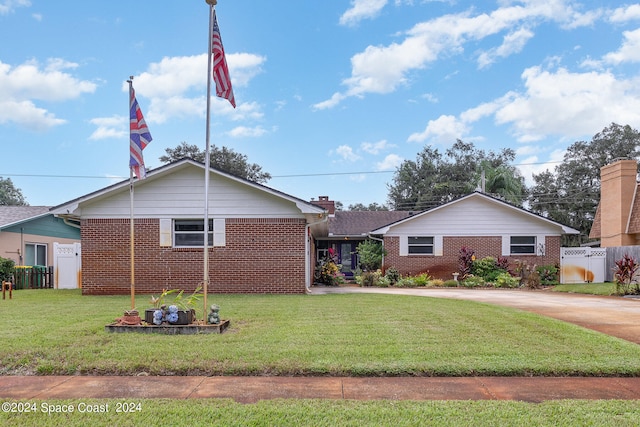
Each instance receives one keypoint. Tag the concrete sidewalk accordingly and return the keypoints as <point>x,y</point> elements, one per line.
<point>253,389</point>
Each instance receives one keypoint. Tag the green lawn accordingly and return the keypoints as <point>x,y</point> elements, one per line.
<point>604,289</point>
<point>62,332</point>
<point>319,413</point>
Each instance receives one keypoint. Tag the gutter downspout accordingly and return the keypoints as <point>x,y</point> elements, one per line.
<point>307,252</point>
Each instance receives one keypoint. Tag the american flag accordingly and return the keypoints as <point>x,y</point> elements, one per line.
<point>139,137</point>
<point>220,69</point>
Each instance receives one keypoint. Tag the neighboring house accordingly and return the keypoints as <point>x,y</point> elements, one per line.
<point>349,228</point>
<point>261,240</point>
<point>430,241</point>
<point>28,234</point>
<point>617,218</point>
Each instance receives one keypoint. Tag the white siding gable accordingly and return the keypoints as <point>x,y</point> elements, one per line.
<point>181,195</point>
<point>474,216</point>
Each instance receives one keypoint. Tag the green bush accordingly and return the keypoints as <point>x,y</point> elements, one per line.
<point>473,282</point>
<point>370,252</point>
<point>406,282</point>
<point>437,283</point>
<point>372,278</point>
<point>6,269</point>
<point>450,283</point>
<point>393,275</point>
<point>529,276</point>
<point>548,274</point>
<point>506,280</point>
<point>422,279</point>
<point>487,268</point>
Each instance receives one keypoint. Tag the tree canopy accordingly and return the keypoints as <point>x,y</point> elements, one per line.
<point>224,159</point>
<point>434,179</point>
<point>10,195</point>
<point>571,192</point>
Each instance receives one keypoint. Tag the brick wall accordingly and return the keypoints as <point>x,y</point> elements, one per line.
<point>443,267</point>
<point>260,256</point>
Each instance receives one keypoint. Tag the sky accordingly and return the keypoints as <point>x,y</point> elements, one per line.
<point>331,95</point>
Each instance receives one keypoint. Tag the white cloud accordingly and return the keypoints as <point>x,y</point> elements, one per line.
<point>247,132</point>
<point>382,69</point>
<point>20,86</point>
<point>626,13</point>
<point>172,85</point>
<point>114,127</point>
<point>375,147</point>
<point>27,115</point>
<point>554,102</point>
<point>569,104</point>
<point>445,129</point>
<point>347,153</point>
<point>390,162</point>
<point>512,43</point>
<point>8,6</point>
<point>628,52</point>
<point>362,9</point>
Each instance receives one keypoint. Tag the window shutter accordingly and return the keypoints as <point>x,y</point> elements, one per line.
<point>165,233</point>
<point>219,232</point>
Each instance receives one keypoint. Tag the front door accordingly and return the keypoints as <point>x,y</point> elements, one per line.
<point>348,258</point>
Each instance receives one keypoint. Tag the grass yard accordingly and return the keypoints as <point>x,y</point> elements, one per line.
<point>50,332</point>
<point>319,413</point>
<point>604,289</point>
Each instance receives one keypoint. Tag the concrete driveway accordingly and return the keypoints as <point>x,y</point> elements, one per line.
<point>616,316</point>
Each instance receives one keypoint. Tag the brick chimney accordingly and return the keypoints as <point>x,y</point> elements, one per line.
<point>617,188</point>
<point>325,203</point>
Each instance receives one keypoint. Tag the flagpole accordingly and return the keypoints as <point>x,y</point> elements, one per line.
<point>207,161</point>
<point>131,228</point>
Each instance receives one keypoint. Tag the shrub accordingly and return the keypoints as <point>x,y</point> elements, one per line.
<point>422,279</point>
<point>473,282</point>
<point>437,283</point>
<point>506,280</point>
<point>450,283</point>
<point>370,252</point>
<point>372,278</point>
<point>529,276</point>
<point>406,282</point>
<point>488,268</point>
<point>624,274</point>
<point>392,275</point>
<point>6,269</point>
<point>328,272</point>
<point>548,274</point>
<point>465,261</point>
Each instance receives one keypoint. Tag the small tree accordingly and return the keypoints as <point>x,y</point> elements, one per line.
<point>371,253</point>
<point>6,269</point>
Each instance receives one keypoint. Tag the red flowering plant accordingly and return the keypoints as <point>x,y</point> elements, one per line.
<point>328,270</point>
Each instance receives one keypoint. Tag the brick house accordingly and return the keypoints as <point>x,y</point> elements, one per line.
<point>262,240</point>
<point>431,240</point>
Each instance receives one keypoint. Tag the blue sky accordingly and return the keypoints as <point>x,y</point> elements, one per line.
<point>331,96</point>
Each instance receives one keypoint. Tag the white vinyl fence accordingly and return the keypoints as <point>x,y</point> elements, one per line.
<point>583,265</point>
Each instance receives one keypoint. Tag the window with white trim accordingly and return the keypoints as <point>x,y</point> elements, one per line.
<point>523,245</point>
<point>189,233</point>
<point>35,254</point>
<point>420,245</point>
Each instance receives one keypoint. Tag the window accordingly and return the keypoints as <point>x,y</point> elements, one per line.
<point>420,245</point>
<point>35,254</point>
<point>523,245</point>
<point>190,233</point>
